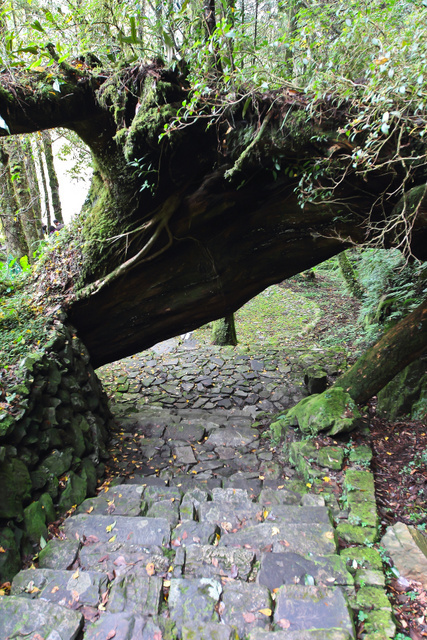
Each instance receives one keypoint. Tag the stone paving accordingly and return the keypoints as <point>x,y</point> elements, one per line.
<point>204,535</point>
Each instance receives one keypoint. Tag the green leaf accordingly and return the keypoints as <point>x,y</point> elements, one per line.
<point>36,25</point>
<point>246,106</point>
<point>134,34</point>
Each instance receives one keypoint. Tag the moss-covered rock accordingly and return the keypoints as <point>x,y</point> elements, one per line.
<point>10,559</point>
<point>74,493</point>
<point>333,411</point>
<point>373,598</point>
<point>35,522</point>
<point>47,506</point>
<point>361,454</point>
<point>15,486</point>
<point>354,534</point>
<point>362,557</point>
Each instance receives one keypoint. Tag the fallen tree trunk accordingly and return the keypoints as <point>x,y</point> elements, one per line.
<point>398,347</point>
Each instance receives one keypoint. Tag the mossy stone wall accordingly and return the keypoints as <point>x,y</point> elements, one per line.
<point>51,448</point>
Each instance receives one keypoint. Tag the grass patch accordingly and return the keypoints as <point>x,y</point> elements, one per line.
<point>275,317</point>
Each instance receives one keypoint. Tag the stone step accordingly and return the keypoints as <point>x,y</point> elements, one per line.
<point>282,536</point>
<point>146,532</point>
<point>25,618</point>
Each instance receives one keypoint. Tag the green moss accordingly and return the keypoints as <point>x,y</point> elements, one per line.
<point>35,522</point>
<point>362,454</point>
<point>354,534</point>
<point>363,513</point>
<point>359,480</point>
<point>332,411</point>
<point>364,557</point>
<point>373,598</point>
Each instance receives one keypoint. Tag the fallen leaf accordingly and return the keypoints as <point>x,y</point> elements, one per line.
<point>249,617</point>
<point>91,540</point>
<point>284,623</point>
<point>275,531</point>
<point>110,634</point>
<point>120,561</point>
<point>220,608</point>
<point>166,583</point>
<point>2,550</point>
<point>75,575</point>
<point>110,527</point>
<point>150,568</point>
<point>112,539</point>
<point>89,510</point>
<point>285,543</point>
<point>55,589</point>
<point>265,612</point>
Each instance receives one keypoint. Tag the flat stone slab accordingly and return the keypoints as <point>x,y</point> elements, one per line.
<point>408,550</point>
<point>59,554</point>
<point>209,562</point>
<point>121,558</point>
<point>124,500</point>
<point>235,437</point>
<point>190,532</point>
<point>313,634</point>
<point>230,515</point>
<point>279,536</point>
<point>269,497</point>
<point>184,455</point>
<point>125,627</point>
<point>186,430</point>
<point>146,532</point>
<point>292,513</point>
<point>292,568</point>
<point>208,631</point>
<point>153,494</point>
<point>194,600</point>
<point>62,587</point>
<point>137,594</point>
<point>24,618</point>
<point>165,509</point>
<point>302,608</point>
<point>245,606</point>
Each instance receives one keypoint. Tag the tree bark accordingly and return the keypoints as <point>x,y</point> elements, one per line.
<point>398,347</point>
<point>350,279</point>
<point>44,185</point>
<point>53,178</point>
<point>10,222</point>
<point>224,332</point>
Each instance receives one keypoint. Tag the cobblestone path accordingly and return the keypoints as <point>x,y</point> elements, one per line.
<point>204,536</point>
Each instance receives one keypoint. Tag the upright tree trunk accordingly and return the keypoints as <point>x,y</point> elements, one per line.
<point>44,185</point>
<point>347,272</point>
<point>22,192</point>
<point>33,184</point>
<point>398,347</point>
<point>53,179</point>
<point>9,220</point>
<point>224,332</point>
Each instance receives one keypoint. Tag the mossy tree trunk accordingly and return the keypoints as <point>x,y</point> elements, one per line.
<point>21,187</point>
<point>398,347</point>
<point>350,278</point>
<point>11,226</point>
<point>224,332</point>
<point>53,178</point>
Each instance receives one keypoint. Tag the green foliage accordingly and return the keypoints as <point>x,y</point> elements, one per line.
<point>393,288</point>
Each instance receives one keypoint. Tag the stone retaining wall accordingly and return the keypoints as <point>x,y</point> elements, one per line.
<point>50,450</point>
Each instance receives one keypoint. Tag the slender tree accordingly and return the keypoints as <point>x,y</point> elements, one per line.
<point>53,178</point>
<point>22,191</point>
<point>11,225</point>
<point>44,183</point>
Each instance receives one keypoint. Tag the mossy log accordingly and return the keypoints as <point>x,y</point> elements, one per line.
<point>398,347</point>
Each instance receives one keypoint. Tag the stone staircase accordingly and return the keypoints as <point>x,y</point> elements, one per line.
<point>205,538</point>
